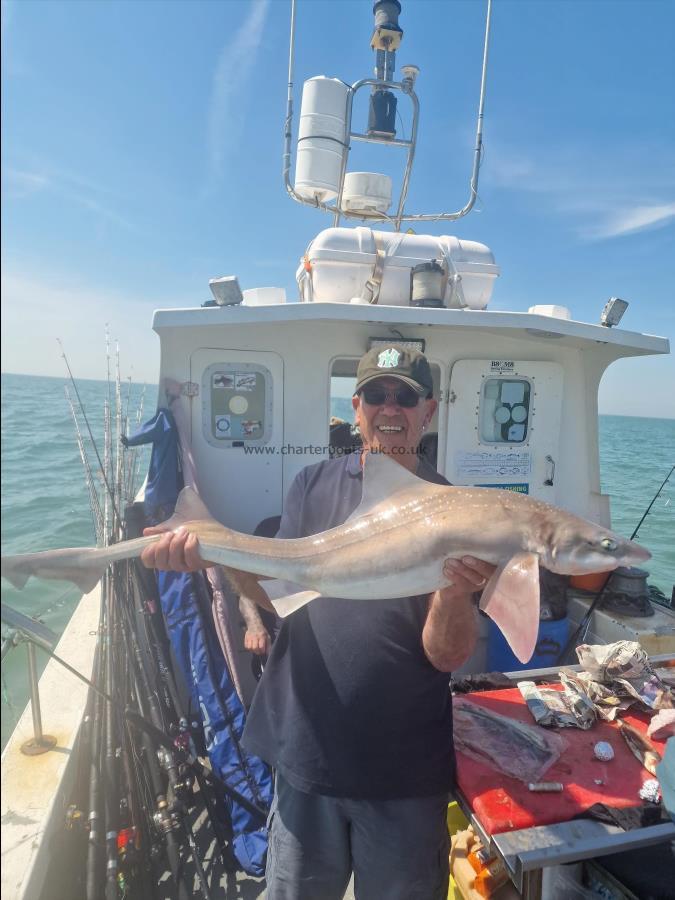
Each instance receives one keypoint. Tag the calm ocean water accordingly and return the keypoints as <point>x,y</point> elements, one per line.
<point>45,501</point>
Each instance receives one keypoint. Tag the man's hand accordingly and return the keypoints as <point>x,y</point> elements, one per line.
<point>258,642</point>
<point>177,551</point>
<point>451,629</point>
<point>466,576</point>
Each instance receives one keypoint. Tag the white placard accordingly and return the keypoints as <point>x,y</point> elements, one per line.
<point>483,464</point>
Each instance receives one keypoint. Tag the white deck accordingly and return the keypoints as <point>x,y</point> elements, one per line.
<point>34,788</point>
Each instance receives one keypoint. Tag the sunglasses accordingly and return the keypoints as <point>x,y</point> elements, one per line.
<point>404,396</point>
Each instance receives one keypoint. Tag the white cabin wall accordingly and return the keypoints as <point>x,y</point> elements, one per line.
<point>309,347</point>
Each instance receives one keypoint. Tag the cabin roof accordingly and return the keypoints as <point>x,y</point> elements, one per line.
<point>522,325</point>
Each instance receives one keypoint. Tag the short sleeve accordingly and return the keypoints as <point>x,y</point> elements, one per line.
<point>291,519</point>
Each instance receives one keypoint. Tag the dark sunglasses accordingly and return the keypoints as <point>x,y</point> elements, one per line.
<point>404,396</point>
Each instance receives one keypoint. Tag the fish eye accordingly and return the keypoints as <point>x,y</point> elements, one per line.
<point>608,544</point>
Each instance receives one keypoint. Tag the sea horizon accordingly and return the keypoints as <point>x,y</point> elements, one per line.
<point>150,384</point>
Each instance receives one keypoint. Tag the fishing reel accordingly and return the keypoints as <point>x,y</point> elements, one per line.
<point>166,818</point>
<point>183,788</point>
<point>76,819</point>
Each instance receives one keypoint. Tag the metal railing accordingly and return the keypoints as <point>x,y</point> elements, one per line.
<point>32,633</point>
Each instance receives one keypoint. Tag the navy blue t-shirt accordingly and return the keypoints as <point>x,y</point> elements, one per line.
<point>348,704</point>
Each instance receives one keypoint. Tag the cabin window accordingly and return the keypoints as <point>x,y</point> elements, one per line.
<point>343,438</point>
<point>505,410</point>
<point>236,404</point>
<point>341,393</point>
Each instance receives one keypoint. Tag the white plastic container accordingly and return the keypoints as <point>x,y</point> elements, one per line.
<point>321,136</point>
<point>367,192</point>
<point>264,296</point>
<point>340,262</point>
<point>546,309</point>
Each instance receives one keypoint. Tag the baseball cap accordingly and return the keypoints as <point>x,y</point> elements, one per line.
<point>395,361</point>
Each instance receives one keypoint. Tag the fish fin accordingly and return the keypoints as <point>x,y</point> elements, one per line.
<point>382,477</point>
<point>284,606</point>
<point>14,572</point>
<point>189,508</point>
<point>53,565</point>
<point>87,578</point>
<point>511,599</point>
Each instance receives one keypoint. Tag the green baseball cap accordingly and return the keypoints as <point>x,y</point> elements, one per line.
<point>395,361</point>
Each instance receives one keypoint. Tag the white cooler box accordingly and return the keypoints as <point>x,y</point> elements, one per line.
<point>340,267</point>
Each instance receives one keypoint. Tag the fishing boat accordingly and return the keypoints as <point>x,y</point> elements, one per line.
<point>116,773</point>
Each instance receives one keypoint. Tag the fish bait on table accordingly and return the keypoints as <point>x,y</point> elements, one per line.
<point>521,751</point>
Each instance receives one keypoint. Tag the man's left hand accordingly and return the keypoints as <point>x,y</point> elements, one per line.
<point>466,575</point>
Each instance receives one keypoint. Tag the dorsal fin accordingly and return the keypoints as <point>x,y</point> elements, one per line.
<point>382,477</point>
<point>189,508</point>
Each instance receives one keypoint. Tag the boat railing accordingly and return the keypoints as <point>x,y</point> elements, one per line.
<point>32,633</point>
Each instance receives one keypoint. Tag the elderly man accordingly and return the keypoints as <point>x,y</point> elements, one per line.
<point>353,709</point>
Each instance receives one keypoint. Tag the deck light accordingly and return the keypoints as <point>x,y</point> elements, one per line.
<point>613,312</point>
<point>226,290</point>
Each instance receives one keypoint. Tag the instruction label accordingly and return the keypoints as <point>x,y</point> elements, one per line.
<point>483,464</point>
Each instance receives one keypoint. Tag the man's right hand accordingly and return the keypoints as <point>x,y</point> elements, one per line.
<point>177,551</point>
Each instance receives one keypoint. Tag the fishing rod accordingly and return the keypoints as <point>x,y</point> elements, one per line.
<point>654,499</point>
<point>135,458</point>
<point>171,815</point>
<point>580,631</point>
<point>94,502</point>
<point>164,818</point>
<point>118,428</point>
<point>111,759</point>
<point>162,738</point>
<point>94,817</point>
<point>158,642</point>
<point>86,421</point>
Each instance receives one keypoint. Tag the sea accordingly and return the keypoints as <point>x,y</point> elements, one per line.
<point>45,497</point>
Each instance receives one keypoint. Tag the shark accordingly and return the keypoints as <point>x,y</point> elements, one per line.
<point>393,545</point>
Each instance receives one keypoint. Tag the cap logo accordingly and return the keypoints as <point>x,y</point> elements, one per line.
<point>388,359</point>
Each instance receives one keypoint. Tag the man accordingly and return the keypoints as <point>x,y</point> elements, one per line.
<point>353,709</point>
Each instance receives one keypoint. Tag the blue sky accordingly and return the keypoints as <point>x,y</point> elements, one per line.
<point>142,145</point>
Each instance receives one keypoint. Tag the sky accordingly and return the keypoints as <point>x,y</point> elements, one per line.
<point>142,154</point>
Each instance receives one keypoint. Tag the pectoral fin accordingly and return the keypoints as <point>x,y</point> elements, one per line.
<point>511,599</point>
<point>284,606</point>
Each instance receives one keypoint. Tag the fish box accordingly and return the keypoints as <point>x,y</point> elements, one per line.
<point>339,266</point>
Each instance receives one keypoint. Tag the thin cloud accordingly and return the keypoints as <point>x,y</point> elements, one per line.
<point>603,197</point>
<point>637,219</point>
<point>235,63</point>
<point>23,183</point>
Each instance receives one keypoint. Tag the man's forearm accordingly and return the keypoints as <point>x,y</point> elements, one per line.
<point>451,629</point>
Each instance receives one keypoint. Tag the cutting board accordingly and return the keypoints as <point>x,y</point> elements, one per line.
<point>502,803</point>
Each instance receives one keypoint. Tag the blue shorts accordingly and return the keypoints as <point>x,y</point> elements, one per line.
<point>397,849</point>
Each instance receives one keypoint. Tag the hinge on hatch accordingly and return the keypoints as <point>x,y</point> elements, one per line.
<point>189,389</point>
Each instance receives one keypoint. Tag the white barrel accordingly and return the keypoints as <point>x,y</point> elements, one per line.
<point>321,138</point>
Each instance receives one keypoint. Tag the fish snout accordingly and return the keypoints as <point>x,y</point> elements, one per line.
<point>633,554</point>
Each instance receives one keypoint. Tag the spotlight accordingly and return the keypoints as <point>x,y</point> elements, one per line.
<point>613,312</point>
<point>226,290</point>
